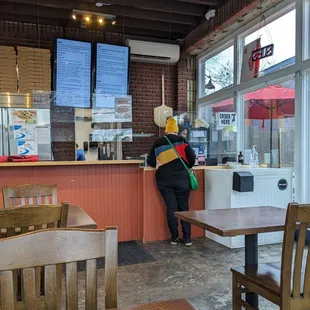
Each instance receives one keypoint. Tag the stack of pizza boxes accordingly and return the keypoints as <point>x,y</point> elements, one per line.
<point>8,74</point>
<point>34,69</point>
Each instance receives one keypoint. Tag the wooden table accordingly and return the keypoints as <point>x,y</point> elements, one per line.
<point>78,218</point>
<point>179,304</point>
<point>236,222</point>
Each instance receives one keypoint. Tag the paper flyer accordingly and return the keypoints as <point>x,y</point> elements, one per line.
<point>24,116</point>
<point>27,148</point>
<point>43,135</point>
<point>24,132</point>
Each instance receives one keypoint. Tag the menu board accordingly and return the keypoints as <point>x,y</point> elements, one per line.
<point>73,74</point>
<point>112,69</point>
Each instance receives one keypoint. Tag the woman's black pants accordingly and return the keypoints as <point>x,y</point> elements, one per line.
<point>176,196</point>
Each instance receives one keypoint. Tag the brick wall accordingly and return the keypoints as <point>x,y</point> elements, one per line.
<point>145,85</point>
<point>146,91</point>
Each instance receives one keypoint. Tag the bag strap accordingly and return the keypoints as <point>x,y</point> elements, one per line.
<point>181,159</point>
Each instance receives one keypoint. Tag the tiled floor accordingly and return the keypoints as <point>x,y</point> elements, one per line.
<point>200,273</point>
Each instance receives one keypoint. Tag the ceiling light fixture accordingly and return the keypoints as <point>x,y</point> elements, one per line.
<point>100,21</point>
<point>74,16</point>
<point>87,18</point>
<point>114,22</point>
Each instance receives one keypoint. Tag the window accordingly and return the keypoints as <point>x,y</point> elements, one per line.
<point>219,71</point>
<point>223,141</point>
<point>281,33</point>
<point>269,124</point>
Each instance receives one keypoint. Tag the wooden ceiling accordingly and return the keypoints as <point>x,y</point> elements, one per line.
<point>162,19</point>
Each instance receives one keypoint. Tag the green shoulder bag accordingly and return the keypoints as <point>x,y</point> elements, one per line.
<point>192,176</point>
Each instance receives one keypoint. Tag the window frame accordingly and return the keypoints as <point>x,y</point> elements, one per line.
<point>201,64</point>
<point>297,71</point>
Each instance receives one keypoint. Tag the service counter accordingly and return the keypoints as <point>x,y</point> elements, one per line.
<point>113,193</point>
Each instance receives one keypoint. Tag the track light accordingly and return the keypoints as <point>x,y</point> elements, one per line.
<point>114,22</point>
<point>74,16</point>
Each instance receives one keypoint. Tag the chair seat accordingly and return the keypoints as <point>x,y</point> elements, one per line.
<point>267,276</point>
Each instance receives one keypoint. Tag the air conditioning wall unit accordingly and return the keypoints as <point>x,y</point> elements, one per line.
<point>152,52</point>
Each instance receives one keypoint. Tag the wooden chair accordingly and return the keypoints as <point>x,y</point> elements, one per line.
<point>287,284</point>
<point>50,248</point>
<point>20,220</point>
<point>29,194</point>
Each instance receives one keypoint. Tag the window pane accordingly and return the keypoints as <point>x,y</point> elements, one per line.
<point>270,124</point>
<point>281,33</point>
<point>223,142</point>
<point>219,71</point>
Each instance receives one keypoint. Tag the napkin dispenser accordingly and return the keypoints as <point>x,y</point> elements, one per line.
<point>243,182</point>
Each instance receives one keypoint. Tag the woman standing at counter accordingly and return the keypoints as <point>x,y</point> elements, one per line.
<point>172,178</point>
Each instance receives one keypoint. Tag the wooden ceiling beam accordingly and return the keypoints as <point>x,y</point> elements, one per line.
<point>203,2</point>
<point>107,28</point>
<point>113,10</point>
<point>52,13</point>
<point>156,5</point>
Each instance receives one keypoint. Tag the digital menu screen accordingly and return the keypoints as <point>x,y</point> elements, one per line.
<point>73,74</point>
<point>112,69</point>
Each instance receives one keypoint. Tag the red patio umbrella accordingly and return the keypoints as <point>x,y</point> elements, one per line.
<point>272,102</point>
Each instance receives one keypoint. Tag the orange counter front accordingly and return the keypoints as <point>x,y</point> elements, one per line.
<point>113,193</point>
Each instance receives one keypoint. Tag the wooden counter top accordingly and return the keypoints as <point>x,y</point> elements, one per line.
<point>71,163</point>
<point>194,168</point>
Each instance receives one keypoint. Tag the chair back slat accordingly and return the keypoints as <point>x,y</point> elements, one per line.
<point>15,203</point>
<point>298,260</point>
<point>29,288</point>
<point>51,289</point>
<point>24,230</point>
<point>7,294</point>
<point>91,284</point>
<point>10,232</point>
<point>111,260</point>
<point>294,283</point>
<point>71,286</point>
<point>20,194</point>
<point>307,276</point>
<point>52,248</point>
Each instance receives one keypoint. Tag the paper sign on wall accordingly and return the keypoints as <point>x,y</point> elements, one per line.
<point>250,69</point>
<point>27,148</point>
<point>226,119</point>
